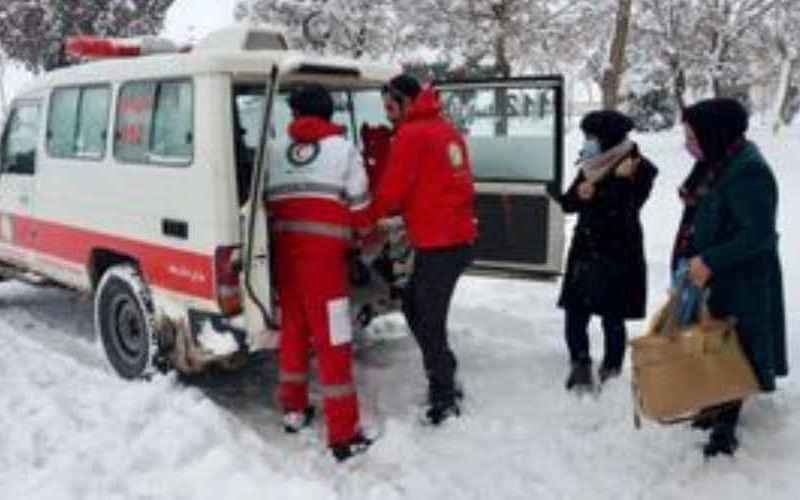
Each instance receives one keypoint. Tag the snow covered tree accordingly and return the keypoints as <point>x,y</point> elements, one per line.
<point>356,28</point>
<point>783,35</point>
<point>33,31</point>
<point>725,26</point>
<point>706,47</point>
<point>509,36</point>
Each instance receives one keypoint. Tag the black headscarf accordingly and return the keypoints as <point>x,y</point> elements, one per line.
<point>609,126</point>
<point>718,124</point>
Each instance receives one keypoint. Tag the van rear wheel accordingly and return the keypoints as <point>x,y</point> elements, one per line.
<point>124,322</point>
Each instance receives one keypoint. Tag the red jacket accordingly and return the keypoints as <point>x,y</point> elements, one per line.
<point>428,179</point>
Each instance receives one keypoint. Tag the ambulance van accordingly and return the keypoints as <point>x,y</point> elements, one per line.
<point>138,179</point>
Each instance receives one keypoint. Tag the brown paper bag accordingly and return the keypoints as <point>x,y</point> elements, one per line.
<point>678,372</point>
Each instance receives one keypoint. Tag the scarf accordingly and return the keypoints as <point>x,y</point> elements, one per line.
<point>597,167</point>
<point>701,180</point>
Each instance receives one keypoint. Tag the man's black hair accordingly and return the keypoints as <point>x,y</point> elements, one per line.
<point>312,100</point>
<point>402,86</point>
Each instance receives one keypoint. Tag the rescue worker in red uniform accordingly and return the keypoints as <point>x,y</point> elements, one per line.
<point>316,187</point>
<point>428,180</point>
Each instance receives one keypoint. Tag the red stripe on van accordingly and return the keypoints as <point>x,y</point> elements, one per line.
<point>173,269</point>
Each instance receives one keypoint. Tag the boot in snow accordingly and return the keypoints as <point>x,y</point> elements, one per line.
<point>606,373</point>
<point>722,440</point>
<point>580,378</point>
<point>439,412</point>
<point>295,421</point>
<point>357,445</point>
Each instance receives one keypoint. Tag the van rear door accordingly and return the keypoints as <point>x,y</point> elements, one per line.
<point>260,323</point>
<point>514,131</point>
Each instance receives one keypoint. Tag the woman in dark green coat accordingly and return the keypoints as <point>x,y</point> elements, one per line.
<point>728,236</point>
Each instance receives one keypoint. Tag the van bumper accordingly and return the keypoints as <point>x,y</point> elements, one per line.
<point>206,339</point>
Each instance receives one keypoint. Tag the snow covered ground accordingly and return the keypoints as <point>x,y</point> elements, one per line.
<point>71,430</point>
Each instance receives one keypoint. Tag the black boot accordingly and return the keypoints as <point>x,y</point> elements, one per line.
<point>355,446</point>
<point>723,434</point>
<point>606,373</point>
<point>440,411</point>
<point>722,440</point>
<point>580,377</point>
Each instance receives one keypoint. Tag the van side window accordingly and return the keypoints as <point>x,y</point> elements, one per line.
<point>78,122</point>
<point>155,123</point>
<point>18,153</point>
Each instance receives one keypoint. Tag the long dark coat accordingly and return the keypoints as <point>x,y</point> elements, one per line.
<point>606,268</point>
<point>734,231</point>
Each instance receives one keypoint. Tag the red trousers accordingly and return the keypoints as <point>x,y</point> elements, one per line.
<point>312,279</point>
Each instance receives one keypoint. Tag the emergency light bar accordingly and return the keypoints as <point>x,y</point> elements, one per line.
<point>95,47</point>
<point>234,38</point>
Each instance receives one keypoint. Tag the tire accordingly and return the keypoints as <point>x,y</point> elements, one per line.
<point>124,322</point>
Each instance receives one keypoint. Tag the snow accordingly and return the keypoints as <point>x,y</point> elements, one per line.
<point>72,430</point>
<point>218,343</point>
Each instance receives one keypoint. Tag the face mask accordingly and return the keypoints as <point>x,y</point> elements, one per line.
<point>694,149</point>
<point>590,149</point>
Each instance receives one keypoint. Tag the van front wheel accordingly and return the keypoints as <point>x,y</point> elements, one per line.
<point>123,313</point>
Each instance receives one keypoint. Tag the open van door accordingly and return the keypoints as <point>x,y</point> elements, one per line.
<point>260,323</point>
<point>514,130</point>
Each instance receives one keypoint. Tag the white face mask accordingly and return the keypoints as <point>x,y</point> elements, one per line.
<point>590,149</point>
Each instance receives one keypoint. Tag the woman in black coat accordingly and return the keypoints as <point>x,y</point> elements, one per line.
<point>729,239</point>
<point>606,270</point>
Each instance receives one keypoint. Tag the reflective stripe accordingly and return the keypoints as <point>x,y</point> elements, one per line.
<point>292,378</point>
<point>308,187</point>
<point>319,228</point>
<point>338,390</point>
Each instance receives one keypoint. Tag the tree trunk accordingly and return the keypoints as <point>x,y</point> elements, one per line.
<point>3,103</point>
<point>612,75</point>
<point>678,84</point>
<point>780,104</point>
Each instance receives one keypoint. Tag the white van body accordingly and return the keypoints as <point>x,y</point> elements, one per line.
<point>123,178</point>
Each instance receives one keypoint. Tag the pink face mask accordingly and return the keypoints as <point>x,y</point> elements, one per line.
<point>694,149</point>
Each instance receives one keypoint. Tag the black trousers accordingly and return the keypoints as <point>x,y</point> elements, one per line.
<point>576,330</point>
<point>426,302</point>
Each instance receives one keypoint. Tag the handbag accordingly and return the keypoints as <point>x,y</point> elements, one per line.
<point>680,370</point>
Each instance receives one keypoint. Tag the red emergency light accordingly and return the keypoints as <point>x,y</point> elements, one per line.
<point>85,46</point>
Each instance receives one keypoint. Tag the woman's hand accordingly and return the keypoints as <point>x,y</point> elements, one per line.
<point>627,168</point>
<point>585,190</point>
<point>699,272</point>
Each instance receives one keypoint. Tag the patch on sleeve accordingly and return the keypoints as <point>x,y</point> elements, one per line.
<point>301,154</point>
<point>339,326</point>
<point>456,155</point>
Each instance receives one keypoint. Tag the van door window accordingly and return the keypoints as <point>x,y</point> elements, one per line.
<point>172,122</point>
<point>368,109</point>
<point>510,131</point>
<point>78,122</point>
<point>18,155</point>
<point>93,122</point>
<point>155,123</point>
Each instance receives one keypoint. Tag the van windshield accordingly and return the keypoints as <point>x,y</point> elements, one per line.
<point>352,109</point>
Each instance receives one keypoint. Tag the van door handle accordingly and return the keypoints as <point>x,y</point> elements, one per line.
<point>175,228</point>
